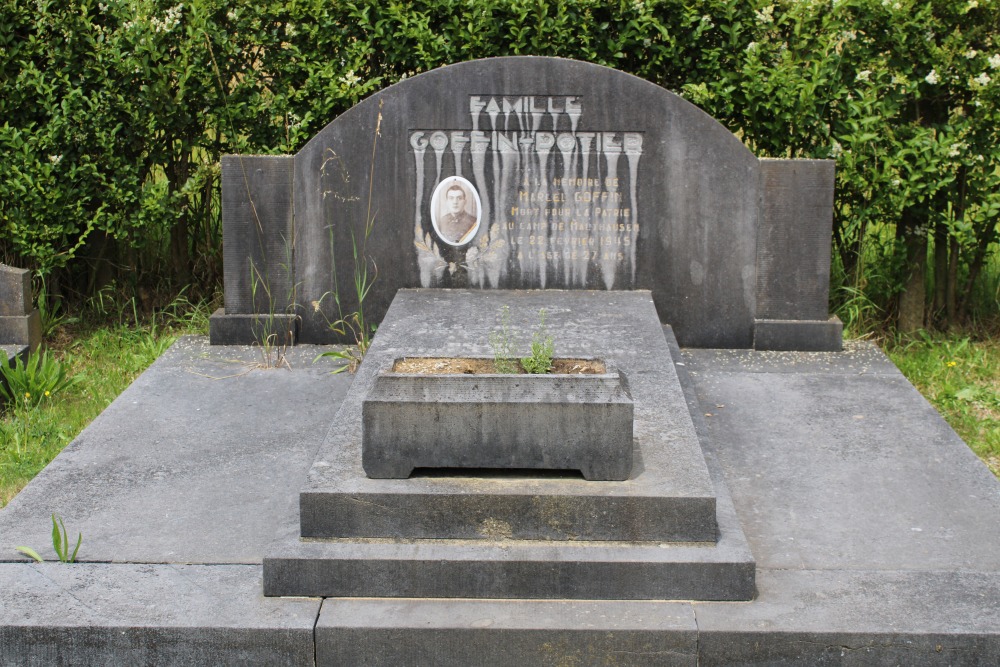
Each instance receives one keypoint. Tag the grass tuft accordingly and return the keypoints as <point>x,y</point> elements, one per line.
<point>961,378</point>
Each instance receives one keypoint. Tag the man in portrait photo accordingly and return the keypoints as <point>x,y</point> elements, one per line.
<point>456,224</point>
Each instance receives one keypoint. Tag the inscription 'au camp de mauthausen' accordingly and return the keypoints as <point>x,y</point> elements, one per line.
<point>525,198</point>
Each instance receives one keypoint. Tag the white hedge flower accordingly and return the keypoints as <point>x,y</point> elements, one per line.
<point>971,53</point>
<point>994,61</point>
<point>765,15</point>
<point>171,19</point>
<point>983,79</point>
<point>350,78</point>
<point>932,78</point>
<point>864,75</point>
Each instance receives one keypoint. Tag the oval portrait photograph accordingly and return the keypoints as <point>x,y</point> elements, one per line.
<point>455,211</point>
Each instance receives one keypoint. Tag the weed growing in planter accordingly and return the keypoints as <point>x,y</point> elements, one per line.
<point>502,344</point>
<point>542,349</point>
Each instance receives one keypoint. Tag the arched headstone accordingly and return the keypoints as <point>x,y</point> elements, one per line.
<point>532,173</point>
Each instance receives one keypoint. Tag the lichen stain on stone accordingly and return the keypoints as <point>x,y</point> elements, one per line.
<point>495,529</point>
<point>555,512</point>
<point>561,654</point>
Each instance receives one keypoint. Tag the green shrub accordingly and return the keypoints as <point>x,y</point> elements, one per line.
<point>115,115</point>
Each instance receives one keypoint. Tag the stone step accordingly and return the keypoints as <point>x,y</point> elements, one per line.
<point>511,504</point>
<point>458,633</point>
<point>669,495</point>
<point>511,569</point>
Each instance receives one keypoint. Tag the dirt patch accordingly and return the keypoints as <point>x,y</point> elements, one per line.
<point>473,366</point>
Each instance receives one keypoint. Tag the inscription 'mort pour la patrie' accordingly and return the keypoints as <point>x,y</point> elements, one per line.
<point>526,199</point>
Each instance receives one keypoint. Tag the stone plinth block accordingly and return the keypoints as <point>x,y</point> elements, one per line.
<point>542,422</point>
<point>22,329</point>
<point>15,291</point>
<point>801,335</point>
<point>247,329</point>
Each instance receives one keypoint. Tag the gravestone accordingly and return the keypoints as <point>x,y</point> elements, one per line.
<point>20,323</point>
<point>530,173</point>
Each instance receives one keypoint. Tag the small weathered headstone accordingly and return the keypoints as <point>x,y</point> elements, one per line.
<point>20,323</point>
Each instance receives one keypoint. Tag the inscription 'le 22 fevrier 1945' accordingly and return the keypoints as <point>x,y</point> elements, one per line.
<point>525,198</point>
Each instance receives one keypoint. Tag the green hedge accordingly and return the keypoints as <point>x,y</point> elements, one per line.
<point>115,114</point>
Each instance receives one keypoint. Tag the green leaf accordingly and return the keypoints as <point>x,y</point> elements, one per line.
<point>969,393</point>
<point>57,539</point>
<point>28,551</point>
<point>79,541</point>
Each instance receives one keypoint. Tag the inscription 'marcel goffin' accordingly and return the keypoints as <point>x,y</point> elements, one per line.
<point>557,206</point>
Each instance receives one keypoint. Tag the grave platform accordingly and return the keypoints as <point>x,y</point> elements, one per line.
<point>652,536</point>
<point>873,526</point>
<point>668,497</point>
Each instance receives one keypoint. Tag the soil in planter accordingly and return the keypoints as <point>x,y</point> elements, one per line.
<point>470,366</point>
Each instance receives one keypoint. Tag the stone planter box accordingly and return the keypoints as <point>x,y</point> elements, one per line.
<point>540,422</point>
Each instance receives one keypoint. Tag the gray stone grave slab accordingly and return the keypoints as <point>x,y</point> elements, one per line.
<point>119,614</point>
<point>852,617</point>
<point>527,632</point>
<point>868,441</point>
<point>925,597</point>
<point>197,461</point>
<point>668,497</point>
